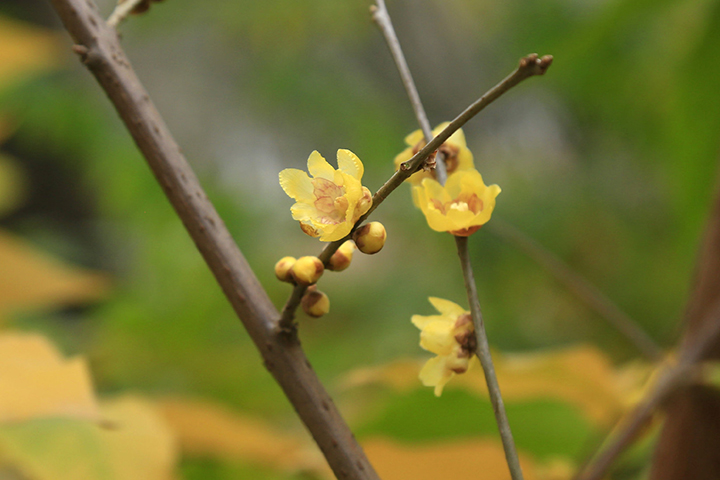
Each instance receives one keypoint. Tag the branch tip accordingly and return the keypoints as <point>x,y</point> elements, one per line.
<point>533,65</point>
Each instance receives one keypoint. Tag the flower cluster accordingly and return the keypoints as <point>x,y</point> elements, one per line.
<point>450,336</point>
<point>464,203</point>
<point>329,204</point>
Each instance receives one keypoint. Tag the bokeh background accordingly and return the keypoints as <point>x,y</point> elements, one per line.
<point>608,161</point>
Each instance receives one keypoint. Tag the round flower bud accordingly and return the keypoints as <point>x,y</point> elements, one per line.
<point>370,238</point>
<point>307,270</point>
<point>283,267</point>
<point>315,303</point>
<point>341,259</point>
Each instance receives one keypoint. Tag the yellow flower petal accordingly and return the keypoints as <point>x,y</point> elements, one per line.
<point>438,337</point>
<point>434,374</point>
<point>349,163</point>
<point>319,167</point>
<point>446,307</point>
<point>297,185</point>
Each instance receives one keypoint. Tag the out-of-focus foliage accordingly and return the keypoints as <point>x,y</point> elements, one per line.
<point>608,161</point>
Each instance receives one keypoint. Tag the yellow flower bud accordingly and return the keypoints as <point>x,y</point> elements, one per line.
<point>307,270</point>
<point>315,303</point>
<point>370,238</point>
<point>283,267</point>
<point>341,259</point>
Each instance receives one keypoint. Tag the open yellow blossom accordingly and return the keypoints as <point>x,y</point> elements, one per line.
<point>451,336</point>
<point>329,204</point>
<point>457,155</point>
<point>461,207</point>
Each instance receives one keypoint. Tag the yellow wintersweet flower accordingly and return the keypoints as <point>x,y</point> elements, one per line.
<point>457,155</point>
<point>461,207</point>
<point>329,204</point>
<point>451,336</point>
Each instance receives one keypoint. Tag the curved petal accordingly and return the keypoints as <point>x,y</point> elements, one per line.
<point>297,185</point>
<point>349,163</point>
<point>319,167</point>
<point>438,337</point>
<point>304,212</point>
<point>434,374</point>
<point>414,138</point>
<point>330,233</point>
<point>435,191</point>
<point>421,320</point>
<point>446,307</point>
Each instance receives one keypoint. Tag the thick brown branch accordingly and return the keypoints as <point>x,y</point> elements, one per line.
<point>100,51</point>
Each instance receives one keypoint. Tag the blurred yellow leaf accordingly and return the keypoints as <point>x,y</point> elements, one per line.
<point>477,458</point>
<point>581,376</point>
<point>136,445</point>
<point>204,428</point>
<point>31,280</point>
<point>36,382</point>
<point>25,50</point>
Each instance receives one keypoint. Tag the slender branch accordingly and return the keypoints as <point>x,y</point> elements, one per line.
<point>670,380</point>
<point>382,18</point>
<point>483,353</point>
<point>100,51</point>
<point>581,288</point>
<point>529,66</point>
<point>122,10</point>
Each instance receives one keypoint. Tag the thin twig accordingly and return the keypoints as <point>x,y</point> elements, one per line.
<point>122,10</point>
<point>669,381</point>
<point>529,66</point>
<point>483,353</point>
<point>581,288</point>
<point>382,18</point>
<point>101,52</point>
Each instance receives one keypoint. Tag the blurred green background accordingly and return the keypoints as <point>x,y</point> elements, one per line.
<point>609,161</point>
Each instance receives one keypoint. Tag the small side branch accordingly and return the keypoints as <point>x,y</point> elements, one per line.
<point>581,288</point>
<point>483,353</point>
<point>675,377</point>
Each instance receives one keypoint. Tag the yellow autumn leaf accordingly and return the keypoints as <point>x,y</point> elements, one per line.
<point>37,382</point>
<point>207,429</point>
<point>32,280</point>
<point>471,458</point>
<point>25,50</point>
<point>135,444</point>
<point>581,376</point>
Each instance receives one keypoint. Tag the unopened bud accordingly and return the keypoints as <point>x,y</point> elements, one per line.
<point>370,238</point>
<point>307,270</point>
<point>315,303</point>
<point>283,267</point>
<point>341,259</point>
